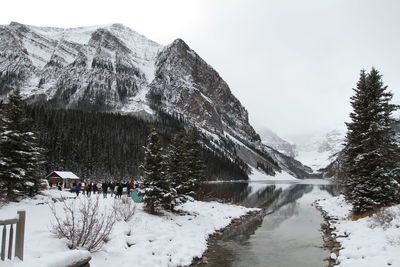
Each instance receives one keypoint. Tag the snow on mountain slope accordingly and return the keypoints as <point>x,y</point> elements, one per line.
<point>256,175</point>
<point>318,150</point>
<point>142,51</point>
<point>112,68</point>
<point>271,139</point>
<point>106,67</point>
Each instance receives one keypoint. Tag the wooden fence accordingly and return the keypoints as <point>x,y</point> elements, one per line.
<point>19,236</point>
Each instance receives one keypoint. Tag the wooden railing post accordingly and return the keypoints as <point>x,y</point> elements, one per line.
<point>20,235</point>
<point>3,243</point>
<point>10,241</point>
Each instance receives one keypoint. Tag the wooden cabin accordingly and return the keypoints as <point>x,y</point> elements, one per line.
<point>66,178</point>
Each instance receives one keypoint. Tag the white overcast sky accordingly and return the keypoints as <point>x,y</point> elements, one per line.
<point>292,64</point>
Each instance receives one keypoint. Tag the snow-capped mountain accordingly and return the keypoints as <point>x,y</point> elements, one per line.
<point>113,68</point>
<point>318,150</point>
<point>102,67</point>
<point>271,139</point>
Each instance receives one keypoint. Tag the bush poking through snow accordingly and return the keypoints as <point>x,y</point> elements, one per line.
<point>124,209</point>
<point>83,223</point>
<point>384,218</point>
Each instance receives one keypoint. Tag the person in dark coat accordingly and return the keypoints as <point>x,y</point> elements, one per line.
<point>89,189</point>
<point>94,188</point>
<point>112,187</point>
<point>128,189</point>
<point>119,190</point>
<point>104,186</point>
<point>77,189</point>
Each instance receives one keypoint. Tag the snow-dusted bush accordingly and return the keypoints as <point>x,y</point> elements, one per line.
<point>384,218</point>
<point>124,209</point>
<point>83,223</point>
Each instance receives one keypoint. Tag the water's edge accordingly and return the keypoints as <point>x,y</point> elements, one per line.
<point>289,206</point>
<point>329,238</point>
<point>253,217</point>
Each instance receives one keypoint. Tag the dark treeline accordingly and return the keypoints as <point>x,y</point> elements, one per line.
<point>107,146</point>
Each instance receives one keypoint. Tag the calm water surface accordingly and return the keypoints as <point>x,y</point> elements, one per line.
<point>288,235</point>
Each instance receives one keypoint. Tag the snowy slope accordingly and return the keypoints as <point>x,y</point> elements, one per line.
<point>271,139</point>
<point>257,175</point>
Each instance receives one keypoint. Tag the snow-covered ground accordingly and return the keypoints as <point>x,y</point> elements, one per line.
<point>167,240</point>
<point>368,242</point>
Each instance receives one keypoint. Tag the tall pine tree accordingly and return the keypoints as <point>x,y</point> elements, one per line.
<point>371,155</point>
<point>176,169</point>
<point>186,166</point>
<point>155,187</point>
<point>20,157</point>
<point>194,163</point>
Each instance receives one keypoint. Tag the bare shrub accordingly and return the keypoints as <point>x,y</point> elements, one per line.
<point>83,223</point>
<point>124,209</point>
<point>383,218</point>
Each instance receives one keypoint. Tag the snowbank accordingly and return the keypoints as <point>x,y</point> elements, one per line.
<point>146,240</point>
<point>366,242</point>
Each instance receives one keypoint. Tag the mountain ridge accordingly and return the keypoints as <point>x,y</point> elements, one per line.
<point>112,68</point>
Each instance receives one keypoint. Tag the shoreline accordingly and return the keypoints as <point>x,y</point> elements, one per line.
<point>328,236</point>
<point>215,237</point>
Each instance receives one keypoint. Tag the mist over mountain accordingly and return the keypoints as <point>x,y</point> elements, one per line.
<point>112,68</point>
<point>318,150</point>
<point>270,138</point>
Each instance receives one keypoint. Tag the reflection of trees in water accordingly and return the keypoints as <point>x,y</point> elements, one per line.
<point>271,199</point>
<point>334,190</point>
<point>280,204</point>
<point>291,194</point>
<point>235,192</point>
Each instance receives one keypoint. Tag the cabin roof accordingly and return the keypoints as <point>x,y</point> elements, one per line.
<point>64,175</point>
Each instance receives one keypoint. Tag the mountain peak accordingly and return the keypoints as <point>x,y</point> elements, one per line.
<point>180,42</point>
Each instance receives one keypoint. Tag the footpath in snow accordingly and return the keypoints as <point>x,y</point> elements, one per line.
<point>368,242</point>
<point>145,240</point>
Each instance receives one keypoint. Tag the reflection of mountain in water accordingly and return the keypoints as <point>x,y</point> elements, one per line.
<point>266,196</point>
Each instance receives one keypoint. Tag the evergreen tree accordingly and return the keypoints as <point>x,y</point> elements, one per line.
<point>194,163</point>
<point>176,170</point>
<point>155,186</point>
<point>20,156</point>
<point>371,155</point>
<point>185,166</point>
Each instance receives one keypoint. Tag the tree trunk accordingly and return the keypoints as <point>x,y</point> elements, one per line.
<point>10,190</point>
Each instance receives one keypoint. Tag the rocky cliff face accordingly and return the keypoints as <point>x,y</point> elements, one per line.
<point>113,68</point>
<point>190,86</point>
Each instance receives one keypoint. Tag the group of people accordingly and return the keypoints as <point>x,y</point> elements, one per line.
<point>115,189</point>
